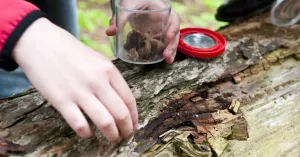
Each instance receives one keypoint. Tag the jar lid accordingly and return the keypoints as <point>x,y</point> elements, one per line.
<point>201,43</point>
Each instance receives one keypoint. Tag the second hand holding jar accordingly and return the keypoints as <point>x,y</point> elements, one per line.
<point>141,30</point>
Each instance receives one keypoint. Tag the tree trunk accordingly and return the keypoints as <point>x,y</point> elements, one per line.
<point>243,103</point>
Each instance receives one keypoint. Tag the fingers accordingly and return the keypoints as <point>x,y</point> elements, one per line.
<point>173,38</point>
<point>117,109</point>
<point>122,20</point>
<point>174,26</point>
<point>75,119</point>
<point>100,116</point>
<point>120,86</point>
<point>111,31</point>
<point>171,49</point>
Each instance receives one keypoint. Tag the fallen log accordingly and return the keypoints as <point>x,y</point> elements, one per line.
<point>243,103</point>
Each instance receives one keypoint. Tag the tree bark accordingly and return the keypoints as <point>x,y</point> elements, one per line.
<point>243,103</point>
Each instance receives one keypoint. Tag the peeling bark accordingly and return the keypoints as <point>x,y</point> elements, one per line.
<point>243,103</point>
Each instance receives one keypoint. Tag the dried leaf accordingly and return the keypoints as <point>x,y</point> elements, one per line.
<point>189,96</point>
<point>169,135</point>
<point>237,78</point>
<point>189,149</point>
<point>134,40</point>
<point>133,54</point>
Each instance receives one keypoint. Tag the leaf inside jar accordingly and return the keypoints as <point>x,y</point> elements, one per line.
<point>142,46</point>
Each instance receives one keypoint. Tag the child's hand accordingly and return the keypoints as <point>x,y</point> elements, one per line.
<point>75,79</point>
<point>172,33</point>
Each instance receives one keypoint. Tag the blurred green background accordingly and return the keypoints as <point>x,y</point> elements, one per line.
<point>94,16</point>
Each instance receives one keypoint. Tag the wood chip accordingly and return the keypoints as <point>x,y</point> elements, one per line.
<point>218,145</point>
<point>239,130</point>
<point>235,105</point>
<point>271,58</point>
<point>155,147</point>
<point>168,132</point>
<point>266,64</point>
<point>196,99</point>
<point>237,79</point>
<point>169,135</point>
<point>189,96</point>
<point>205,118</point>
<point>200,128</point>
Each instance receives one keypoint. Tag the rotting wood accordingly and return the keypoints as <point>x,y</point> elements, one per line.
<point>268,123</point>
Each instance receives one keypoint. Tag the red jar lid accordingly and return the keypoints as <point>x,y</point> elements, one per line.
<point>201,43</point>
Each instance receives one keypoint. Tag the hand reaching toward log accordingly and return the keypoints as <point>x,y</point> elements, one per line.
<point>76,80</point>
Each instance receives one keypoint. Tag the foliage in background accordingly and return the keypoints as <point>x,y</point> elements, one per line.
<point>94,16</point>
<point>212,4</point>
<point>89,20</point>
<point>201,14</point>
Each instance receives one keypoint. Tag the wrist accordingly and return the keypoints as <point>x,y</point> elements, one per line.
<point>41,39</point>
<point>28,39</point>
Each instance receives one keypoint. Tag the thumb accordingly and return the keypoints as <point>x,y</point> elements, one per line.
<point>112,29</point>
<point>123,18</point>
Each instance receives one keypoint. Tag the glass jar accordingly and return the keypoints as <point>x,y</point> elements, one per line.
<point>285,12</point>
<point>141,29</point>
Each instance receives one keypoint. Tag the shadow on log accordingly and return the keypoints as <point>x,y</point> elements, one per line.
<point>243,103</point>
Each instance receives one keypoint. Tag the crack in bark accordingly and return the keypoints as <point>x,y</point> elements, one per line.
<point>20,119</point>
<point>26,92</point>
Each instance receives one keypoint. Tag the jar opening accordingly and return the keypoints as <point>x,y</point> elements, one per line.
<point>199,40</point>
